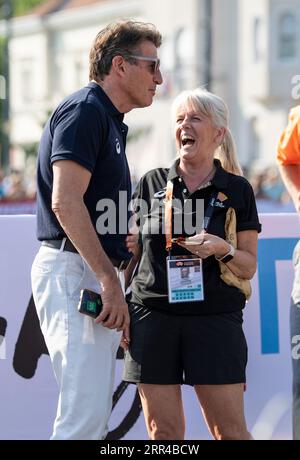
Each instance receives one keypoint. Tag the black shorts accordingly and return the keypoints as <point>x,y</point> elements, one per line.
<point>195,350</point>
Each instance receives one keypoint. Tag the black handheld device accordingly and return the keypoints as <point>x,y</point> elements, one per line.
<point>90,303</point>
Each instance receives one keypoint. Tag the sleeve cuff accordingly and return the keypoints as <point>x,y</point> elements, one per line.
<point>242,226</point>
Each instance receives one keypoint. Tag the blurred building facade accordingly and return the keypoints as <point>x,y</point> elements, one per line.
<point>248,52</point>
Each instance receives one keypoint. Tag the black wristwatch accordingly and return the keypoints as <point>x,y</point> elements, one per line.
<point>227,257</point>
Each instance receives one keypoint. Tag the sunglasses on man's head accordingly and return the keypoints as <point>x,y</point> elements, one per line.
<point>155,61</point>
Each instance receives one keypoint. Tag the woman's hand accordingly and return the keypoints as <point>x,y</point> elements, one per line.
<point>242,265</point>
<point>124,343</point>
<point>132,239</point>
<point>131,242</point>
<point>205,245</point>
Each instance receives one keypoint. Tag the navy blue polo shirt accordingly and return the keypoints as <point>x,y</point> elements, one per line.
<point>88,129</point>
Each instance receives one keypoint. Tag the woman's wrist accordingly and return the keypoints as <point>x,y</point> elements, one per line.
<point>223,250</point>
<point>228,256</point>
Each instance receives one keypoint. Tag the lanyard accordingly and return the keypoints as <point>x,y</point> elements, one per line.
<point>168,213</point>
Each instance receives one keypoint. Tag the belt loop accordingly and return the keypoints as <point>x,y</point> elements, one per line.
<point>62,247</point>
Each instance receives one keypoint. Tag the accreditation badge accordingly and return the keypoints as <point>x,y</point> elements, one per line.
<point>185,279</point>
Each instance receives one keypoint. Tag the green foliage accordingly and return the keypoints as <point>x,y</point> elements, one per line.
<point>23,6</point>
<point>1,54</point>
<point>19,7</point>
<point>1,102</point>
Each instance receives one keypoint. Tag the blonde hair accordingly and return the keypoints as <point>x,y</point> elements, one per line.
<point>212,106</point>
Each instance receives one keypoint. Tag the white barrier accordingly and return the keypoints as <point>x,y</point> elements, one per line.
<point>28,392</point>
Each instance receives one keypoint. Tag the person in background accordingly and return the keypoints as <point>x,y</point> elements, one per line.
<point>288,158</point>
<point>191,333</point>
<point>2,194</point>
<point>81,166</point>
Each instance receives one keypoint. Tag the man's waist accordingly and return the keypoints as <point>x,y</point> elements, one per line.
<point>66,245</point>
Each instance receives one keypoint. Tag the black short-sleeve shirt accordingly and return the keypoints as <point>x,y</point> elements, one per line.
<point>88,129</point>
<point>149,286</point>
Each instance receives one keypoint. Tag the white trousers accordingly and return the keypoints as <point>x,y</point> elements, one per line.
<point>83,353</point>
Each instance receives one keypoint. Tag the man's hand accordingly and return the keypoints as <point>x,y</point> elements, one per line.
<point>205,245</point>
<point>114,314</point>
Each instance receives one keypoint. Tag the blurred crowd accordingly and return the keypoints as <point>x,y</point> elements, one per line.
<point>269,191</point>
<point>18,191</point>
<point>19,188</point>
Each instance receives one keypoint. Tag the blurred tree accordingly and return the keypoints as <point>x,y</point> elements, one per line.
<point>2,84</point>
<point>23,6</point>
<point>8,8</point>
<point>5,14</point>
<point>19,7</point>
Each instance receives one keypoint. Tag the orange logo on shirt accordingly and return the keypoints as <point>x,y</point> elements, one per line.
<point>222,197</point>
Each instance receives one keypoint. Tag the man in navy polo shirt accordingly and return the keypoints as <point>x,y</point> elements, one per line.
<point>83,192</point>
